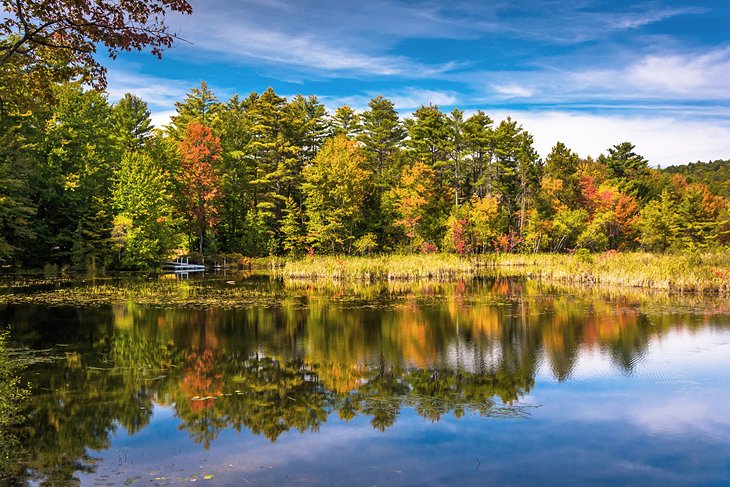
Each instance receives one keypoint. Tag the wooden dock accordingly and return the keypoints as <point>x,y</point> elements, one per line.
<point>180,265</point>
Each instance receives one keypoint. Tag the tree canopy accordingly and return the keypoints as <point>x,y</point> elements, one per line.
<point>89,182</point>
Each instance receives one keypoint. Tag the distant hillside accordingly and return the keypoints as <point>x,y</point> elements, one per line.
<point>715,174</point>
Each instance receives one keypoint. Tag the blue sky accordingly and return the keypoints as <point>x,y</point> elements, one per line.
<point>590,73</point>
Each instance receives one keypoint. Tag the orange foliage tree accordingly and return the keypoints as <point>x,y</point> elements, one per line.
<point>412,196</point>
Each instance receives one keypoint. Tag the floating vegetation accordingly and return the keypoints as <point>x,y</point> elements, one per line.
<point>162,292</point>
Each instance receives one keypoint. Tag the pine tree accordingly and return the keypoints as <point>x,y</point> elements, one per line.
<point>562,165</point>
<point>132,123</point>
<point>659,223</point>
<point>346,122</point>
<point>428,137</point>
<point>237,173</point>
<point>75,186</point>
<point>16,206</point>
<point>292,228</point>
<point>382,135</point>
<point>479,142</point>
<point>200,105</point>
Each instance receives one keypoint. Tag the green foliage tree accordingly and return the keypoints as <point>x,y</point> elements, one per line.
<point>336,185</point>
<point>382,135</point>
<point>132,123</point>
<point>16,205</point>
<point>346,122</point>
<point>698,213</point>
<point>428,132</point>
<point>238,169</point>
<point>659,223</point>
<point>76,180</point>
<point>200,105</point>
<point>145,226</point>
<point>480,145</point>
<point>292,228</point>
<point>277,160</point>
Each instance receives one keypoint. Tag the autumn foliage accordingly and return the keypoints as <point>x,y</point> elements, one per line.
<point>200,151</point>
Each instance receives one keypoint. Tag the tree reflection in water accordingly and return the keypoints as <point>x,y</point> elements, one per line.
<point>370,350</point>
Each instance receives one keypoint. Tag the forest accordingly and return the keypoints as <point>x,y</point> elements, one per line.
<point>87,182</point>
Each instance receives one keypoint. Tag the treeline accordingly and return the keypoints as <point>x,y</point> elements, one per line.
<point>715,174</point>
<point>86,182</point>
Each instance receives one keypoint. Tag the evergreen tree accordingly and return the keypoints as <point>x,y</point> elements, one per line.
<point>456,146</point>
<point>659,223</point>
<point>428,137</point>
<point>238,170</point>
<point>479,142</point>
<point>346,122</point>
<point>562,165</point>
<point>629,169</point>
<point>291,228</point>
<point>16,205</point>
<point>382,135</point>
<point>697,217</point>
<point>200,105</point>
<point>132,124</point>
<point>506,179</point>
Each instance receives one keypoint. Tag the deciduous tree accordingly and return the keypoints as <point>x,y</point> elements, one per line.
<point>200,153</point>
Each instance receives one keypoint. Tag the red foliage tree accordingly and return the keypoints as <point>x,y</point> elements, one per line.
<point>200,152</point>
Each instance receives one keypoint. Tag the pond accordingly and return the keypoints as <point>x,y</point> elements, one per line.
<point>255,380</point>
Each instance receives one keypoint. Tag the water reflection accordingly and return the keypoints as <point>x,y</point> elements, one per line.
<point>323,349</point>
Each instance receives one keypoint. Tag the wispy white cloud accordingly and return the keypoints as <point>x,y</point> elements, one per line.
<point>160,118</point>
<point>513,91</point>
<point>691,75</point>
<point>668,77</point>
<point>405,99</point>
<point>663,140</point>
<point>560,22</point>
<point>157,92</point>
<point>336,41</point>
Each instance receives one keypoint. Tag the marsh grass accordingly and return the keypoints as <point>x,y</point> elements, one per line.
<point>382,267</point>
<point>682,273</point>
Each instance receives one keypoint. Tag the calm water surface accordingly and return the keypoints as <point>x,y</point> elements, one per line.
<point>485,382</point>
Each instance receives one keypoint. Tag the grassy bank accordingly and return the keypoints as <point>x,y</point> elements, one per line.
<point>697,272</point>
<point>390,267</point>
